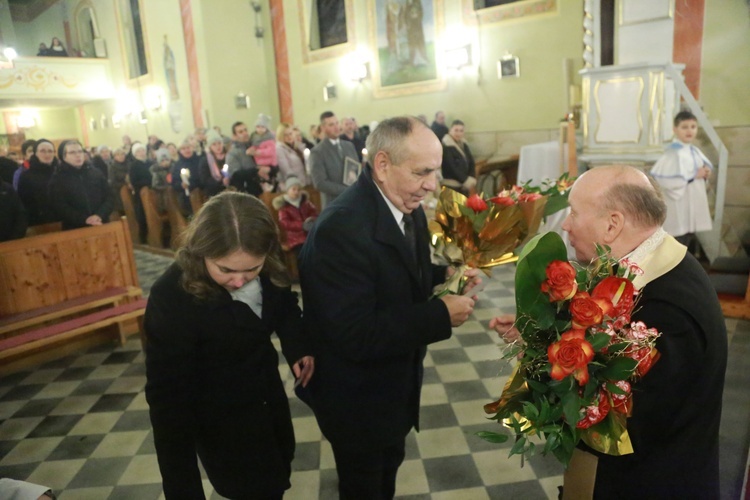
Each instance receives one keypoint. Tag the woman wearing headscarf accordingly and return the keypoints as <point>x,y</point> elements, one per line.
<point>79,193</point>
<point>33,184</point>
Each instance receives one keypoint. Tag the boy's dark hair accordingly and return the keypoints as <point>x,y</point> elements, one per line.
<point>326,114</point>
<point>683,116</point>
<point>457,122</point>
<point>234,127</point>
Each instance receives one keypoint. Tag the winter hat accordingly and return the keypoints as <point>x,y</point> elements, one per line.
<point>292,181</point>
<point>213,136</point>
<point>263,121</point>
<point>163,154</point>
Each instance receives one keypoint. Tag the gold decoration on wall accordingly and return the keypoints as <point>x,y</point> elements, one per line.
<point>37,78</point>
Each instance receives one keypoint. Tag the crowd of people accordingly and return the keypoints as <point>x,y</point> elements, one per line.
<point>366,277</point>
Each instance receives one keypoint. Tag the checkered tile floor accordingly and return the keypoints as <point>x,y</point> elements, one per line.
<point>80,424</point>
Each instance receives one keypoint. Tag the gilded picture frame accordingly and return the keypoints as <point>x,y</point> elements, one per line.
<point>506,12</point>
<point>405,39</point>
<point>310,55</point>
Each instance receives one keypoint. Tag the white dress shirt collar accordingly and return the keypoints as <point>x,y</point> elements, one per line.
<point>397,214</point>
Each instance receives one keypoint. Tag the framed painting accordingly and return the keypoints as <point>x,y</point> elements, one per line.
<point>494,11</point>
<point>405,39</point>
<point>327,28</point>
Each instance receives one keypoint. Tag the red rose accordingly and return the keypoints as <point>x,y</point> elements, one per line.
<point>571,354</point>
<point>476,203</point>
<point>561,281</point>
<point>621,402</point>
<point>595,413</point>
<point>503,201</point>
<point>619,292</point>
<point>529,197</point>
<point>585,311</point>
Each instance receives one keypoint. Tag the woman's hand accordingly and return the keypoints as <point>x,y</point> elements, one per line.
<point>303,370</point>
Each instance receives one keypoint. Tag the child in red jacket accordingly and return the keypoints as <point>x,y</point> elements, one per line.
<point>296,214</point>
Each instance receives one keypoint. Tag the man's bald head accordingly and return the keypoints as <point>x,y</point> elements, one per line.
<point>627,189</point>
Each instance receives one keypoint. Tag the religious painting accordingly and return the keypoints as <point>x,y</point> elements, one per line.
<point>327,28</point>
<point>404,36</point>
<point>494,11</point>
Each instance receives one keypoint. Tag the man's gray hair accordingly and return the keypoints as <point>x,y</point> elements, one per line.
<point>390,137</point>
<point>644,204</point>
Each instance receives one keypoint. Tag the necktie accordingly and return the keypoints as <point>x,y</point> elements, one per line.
<point>411,238</point>
<point>341,151</point>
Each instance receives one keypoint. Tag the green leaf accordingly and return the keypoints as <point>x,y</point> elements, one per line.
<point>556,201</point>
<point>571,407</point>
<point>619,346</point>
<point>492,437</point>
<point>537,386</point>
<point>599,340</point>
<point>518,446</point>
<point>531,273</point>
<point>619,368</point>
<point>468,212</point>
<point>530,411</point>
<point>553,441</point>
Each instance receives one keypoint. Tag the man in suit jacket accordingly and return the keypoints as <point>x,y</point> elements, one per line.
<point>366,294</point>
<point>674,426</point>
<point>328,157</point>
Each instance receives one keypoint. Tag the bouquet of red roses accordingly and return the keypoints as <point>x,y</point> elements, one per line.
<point>579,356</point>
<point>477,233</point>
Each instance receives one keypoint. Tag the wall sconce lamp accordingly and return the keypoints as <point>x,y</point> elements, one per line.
<point>25,119</point>
<point>259,31</point>
<point>359,71</point>
<point>508,66</point>
<point>458,58</point>
<point>6,60</point>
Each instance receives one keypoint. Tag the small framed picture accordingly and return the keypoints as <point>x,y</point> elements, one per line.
<point>508,67</point>
<point>352,169</point>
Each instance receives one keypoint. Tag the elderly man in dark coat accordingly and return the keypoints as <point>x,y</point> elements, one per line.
<point>366,282</point>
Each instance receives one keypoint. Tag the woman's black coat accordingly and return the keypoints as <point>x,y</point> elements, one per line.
<point>214,389</point>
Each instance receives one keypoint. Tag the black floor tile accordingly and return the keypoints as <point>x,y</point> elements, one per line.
<point>92,387</point>
<point>55,426</point>
<point>113,402</point>
<point>437,416</point>
<point>37,408</point>
<point>121,357</point>
<point>100,472</point>
<point>465,391</point>
<point>522,490</point>
<point>474,339</point>
<point>449,356</point>
<point>430,375</point>
<point>76,447</point>
<point>306,456</point>
<point>139,491</point>
<point>134,420</point>
<point>452,473</point>
<point>545,466</point>
<point>20,472</point>
<point>22,392</point>
<point>75,373</point>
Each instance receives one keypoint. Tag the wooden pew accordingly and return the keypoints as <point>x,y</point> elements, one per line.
<point>66,291</point>
<point>177,221</point>
<point>127,204</point>
<point>50,227</point>
<point>155,220</point>
<point>197,199</point>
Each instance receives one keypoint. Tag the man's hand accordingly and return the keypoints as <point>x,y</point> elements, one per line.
<point>459,308</point>
<point>251,151</point>
<point>473,280</point>
<point>505,326</point>
<point>303,370</point>
<point>94,220</point>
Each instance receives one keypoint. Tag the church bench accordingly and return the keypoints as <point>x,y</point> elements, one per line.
<point>106,298</point>
<point>156,220</point>
<point>73,286</point>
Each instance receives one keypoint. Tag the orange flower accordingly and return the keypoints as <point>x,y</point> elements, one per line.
<point>561,281</point>
<point>617,291</point>
<point>529,197</point>
<point>586,311</point>
<point>476,203</point>
<point>571,355</point>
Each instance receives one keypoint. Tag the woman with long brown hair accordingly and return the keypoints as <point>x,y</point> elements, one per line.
<point>213,384</point>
